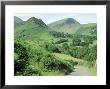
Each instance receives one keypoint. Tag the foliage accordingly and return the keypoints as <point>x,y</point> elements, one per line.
<point>60,34</point>
<point>37,56</point>
<point>21,57</point>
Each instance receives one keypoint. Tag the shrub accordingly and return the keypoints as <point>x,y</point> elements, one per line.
<point>52,47</point>
<point>20,57</point>
<point>59,64</point>
<point>32,71</point>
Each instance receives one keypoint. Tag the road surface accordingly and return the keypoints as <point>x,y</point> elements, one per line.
<point>80,71</point>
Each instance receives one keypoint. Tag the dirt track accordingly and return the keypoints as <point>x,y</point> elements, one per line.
<point>80,71</point>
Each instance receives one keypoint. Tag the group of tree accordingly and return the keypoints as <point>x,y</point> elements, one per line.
<point>82,40</point>
<point>60,34</point>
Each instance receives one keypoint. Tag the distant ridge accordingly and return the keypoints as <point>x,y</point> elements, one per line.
<point>68,25</point>
<point>68,21</point>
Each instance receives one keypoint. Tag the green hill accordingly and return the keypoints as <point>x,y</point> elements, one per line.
<point>67,25</point>
<point>32,29</point>
<point>88,29</point>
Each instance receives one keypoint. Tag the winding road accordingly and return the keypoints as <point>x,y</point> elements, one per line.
<point>80,71</point>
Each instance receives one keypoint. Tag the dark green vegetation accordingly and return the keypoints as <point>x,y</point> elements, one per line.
<point>54,49</point>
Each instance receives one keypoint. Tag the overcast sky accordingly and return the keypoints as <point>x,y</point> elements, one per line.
<point>82,18</point>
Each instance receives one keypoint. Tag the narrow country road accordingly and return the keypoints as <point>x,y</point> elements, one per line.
<point>80,71</point>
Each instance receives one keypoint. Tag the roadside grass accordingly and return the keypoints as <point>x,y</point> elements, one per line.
<point>93,71</point>
<point>67,57</point>
<point>80,62</point>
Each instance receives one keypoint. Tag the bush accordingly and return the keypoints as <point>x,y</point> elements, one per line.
<point>32,71</point>
<point>20,57</point>
<point>52,47</point>
<point>62,65</point>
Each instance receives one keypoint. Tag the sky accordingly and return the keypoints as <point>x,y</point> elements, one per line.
<point>82,18</point>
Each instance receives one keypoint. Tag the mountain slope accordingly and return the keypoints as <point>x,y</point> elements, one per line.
<point>67,25</point>
<point>35,21</point>
<point>32,29</point>
<point>88,29</point>
<point>17,22</point>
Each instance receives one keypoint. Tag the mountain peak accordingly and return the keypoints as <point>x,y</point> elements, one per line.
<point>32,19</point>
<point>70,21</point>
<point>62,22</point>
<point>17,19</point>
<point>36,21</point>
<point>67,25</point>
